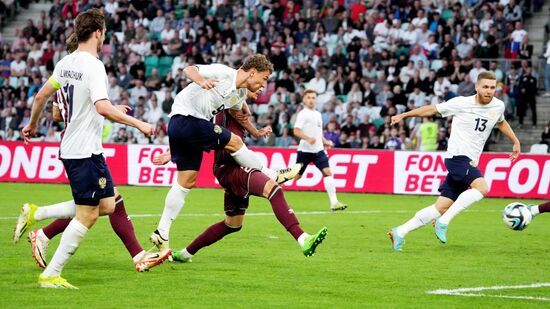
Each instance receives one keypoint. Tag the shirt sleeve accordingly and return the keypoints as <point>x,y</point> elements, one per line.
<point>97,84</point>
<point>300,121</point>
<point>242,93</point>
<point>54,80</point>
<point>215,71</point>
<point>449,108</point>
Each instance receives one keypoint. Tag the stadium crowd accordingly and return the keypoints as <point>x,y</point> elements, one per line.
<point>367,60</point>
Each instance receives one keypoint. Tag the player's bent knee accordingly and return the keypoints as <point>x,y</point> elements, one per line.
<point>235,143</point>
<point>327,172</point>
<point>269,187</point>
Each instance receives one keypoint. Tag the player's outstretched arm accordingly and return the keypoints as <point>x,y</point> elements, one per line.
<point>107,110</point>
<point>424,111</point>
<point>244,121</point>
<point>192,72</point>
<point>39,101</point>
<point>505,128</point>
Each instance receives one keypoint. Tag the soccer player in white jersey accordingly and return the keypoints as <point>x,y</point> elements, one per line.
<point>120,221</point>
<point>309,129</point>
<point>215,87</point>
<point>473,120</point>
<point>83,79</point>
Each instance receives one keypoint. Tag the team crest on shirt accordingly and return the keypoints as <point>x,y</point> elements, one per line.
<point>102,182</point>
<point>217,129</point>
<point>473,163</point>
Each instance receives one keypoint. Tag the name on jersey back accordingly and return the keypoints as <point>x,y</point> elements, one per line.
<point>71,74</point>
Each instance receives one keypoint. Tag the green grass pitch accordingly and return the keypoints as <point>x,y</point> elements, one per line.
<point>262,266</point>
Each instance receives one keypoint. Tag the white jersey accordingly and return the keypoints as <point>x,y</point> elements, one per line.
<point>195,101</point>
<point>82,81</point>
<point>472,124</point>
<point>311,123</point>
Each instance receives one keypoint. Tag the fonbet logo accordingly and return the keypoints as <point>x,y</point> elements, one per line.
<point>418,173</point>
<point>24,163</point>
<point>525,176</point>
<point>34,163</point>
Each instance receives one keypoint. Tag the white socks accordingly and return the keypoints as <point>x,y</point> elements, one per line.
<point>247,158</point>
<point>269,173</point>
<point>464,200</point>
<point>138,256</point>
<point>60,210</point>
<point>302,239</point>
<point>172,206</point>
<point>534,210</point>
<point>328,181</point>
<point>421,218</point>
<point>74,233</point>
<point>186,254</point>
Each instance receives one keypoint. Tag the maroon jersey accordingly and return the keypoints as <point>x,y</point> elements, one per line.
<point>225,120</point>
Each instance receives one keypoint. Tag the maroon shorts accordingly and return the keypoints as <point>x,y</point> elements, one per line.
<point>239,183</point>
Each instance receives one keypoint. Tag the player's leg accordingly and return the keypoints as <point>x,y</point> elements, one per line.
<point>173,203</point>
<point>260,185</point>
<point>330,187</point>
<point>478,190</point>
<point>123,227</point>
<point>462,174</point>
<point>247,158</point>
<point>31,213</point>
<point>420,218</point>
<point>92,189</point>
<point>538,209</point>
<point>321,162</point>
<point>235,207</point>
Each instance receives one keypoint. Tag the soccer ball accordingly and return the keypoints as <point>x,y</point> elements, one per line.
<point>516,216</point>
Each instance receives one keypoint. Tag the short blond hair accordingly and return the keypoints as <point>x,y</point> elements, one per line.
<point>258,62</point>
<point>486,75</point>
<point>308,91</point>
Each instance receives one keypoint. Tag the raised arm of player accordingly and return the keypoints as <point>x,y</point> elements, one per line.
<point>424,111</point>
<point>505,128</point>
<point>39,101</point>
<point>107,110</point>
<point>244,121</point>
<point>192,72</point>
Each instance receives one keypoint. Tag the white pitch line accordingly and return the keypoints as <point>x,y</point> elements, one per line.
<point>465,291</point>
<point>302,213</point>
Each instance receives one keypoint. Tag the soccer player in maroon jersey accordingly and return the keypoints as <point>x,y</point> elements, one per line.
<point>239,183</point>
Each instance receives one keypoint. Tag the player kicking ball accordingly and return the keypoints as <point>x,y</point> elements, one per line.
<point>215,87</point>
<point>239,183</point>
<point>539,209</point>
<point>473,120</point>
<point>119,219</point>
<point>309,129</point>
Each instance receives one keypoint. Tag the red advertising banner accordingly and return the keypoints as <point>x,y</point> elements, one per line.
<point>39,162</point>
<point>423,172</point>
<point>398,172</point>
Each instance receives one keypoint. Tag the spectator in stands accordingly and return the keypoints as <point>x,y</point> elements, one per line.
<point>547,70</point>
<point>545,136</point>
<point>527,99</point>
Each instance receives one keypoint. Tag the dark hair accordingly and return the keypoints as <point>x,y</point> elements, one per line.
<point>87,23</point>
<point>72,43</point>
